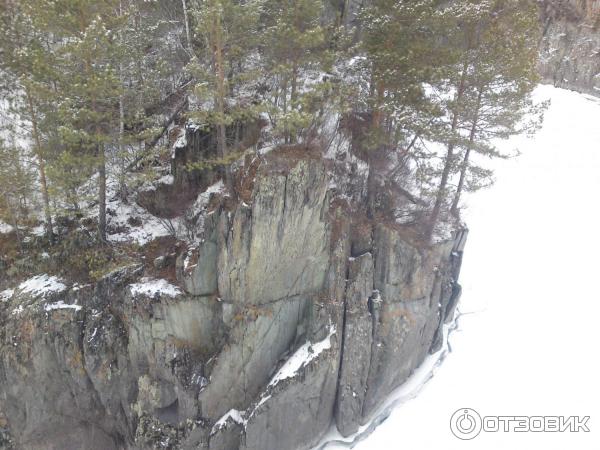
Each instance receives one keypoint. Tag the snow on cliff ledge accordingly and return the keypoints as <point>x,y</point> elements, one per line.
<point>150,287</point>
<point>42,285</point>
<point>302,357</point>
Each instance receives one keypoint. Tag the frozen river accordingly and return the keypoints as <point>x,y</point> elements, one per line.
<point>528,339</point>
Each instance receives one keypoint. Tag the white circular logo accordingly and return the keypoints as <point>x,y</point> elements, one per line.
<point>465,424</point>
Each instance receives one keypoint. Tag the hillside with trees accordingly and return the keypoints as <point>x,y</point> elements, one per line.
<point>239,153</point>
<point>94,90</point>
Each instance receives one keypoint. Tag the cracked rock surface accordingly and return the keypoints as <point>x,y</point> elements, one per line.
<point>290,322</point>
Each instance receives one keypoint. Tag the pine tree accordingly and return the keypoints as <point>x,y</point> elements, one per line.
<point>464,40</point>
<point>87,80</point>
<point>224,70</point>
<point>294,43</point>
<point>150,72</point>
<point>495,76</point>
<point>16,182</point>
<point>502,83</point>
<point>91,78</point>
<point>401,56</point>
<point>27,67</point>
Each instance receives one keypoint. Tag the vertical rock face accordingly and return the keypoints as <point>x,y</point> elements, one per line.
<point>570,48</point>
<point>285,321</point>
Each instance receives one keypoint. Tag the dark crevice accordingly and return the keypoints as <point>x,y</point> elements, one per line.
<point>342,342</point>
<point>117,437</point>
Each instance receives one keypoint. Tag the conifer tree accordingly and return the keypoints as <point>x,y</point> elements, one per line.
<point>499,98</point>
<point>90,77</point>
<point>28,67</point>
<point>16,182</point>
<point>228,32</point>
<point>87,80</point>
<point>295,42</point>
<point>464,41</point>
<point>495,75</point>
<point>150,70</point>
<point>401,56</point>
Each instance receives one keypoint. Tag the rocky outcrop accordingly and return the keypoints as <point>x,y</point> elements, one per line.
<point>292,312</point>
<point>570,48</point>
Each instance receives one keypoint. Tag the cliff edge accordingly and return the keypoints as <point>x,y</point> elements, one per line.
<point>285,312</point>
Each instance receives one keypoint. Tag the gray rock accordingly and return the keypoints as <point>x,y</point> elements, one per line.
<point>268,284</point>
<point>296,412</point>
<point>356,352</point>
<point>280,247</point>
<point>570,54</point>
<point>197,270</point>
<point>160,262</point>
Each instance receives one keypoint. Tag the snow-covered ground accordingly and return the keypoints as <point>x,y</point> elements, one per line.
<point>527,343</point>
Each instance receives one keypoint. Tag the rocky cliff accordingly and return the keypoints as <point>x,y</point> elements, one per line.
<point>570,47</point>
<point>287,311</point>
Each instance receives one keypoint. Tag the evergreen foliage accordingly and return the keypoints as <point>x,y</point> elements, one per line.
<point>96,87</point>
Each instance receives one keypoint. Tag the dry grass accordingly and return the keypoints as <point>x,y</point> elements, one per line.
<point>286,157</point>
<point>167,246</point>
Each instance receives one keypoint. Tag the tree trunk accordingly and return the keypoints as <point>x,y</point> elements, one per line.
<point>121,155</point>
<point>344,15</point>
<point>220,95</point>
<point>15,224</point>
<point>441,193</point>
<point>378,92</point>
<point>293,97</point>
<point>188,35</point>
<point>220,76</point>
<point>101,194</point>
<point>41,167</point>
<point>465,163</point>
<point>285,107</point>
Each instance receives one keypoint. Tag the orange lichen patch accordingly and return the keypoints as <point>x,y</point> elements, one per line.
<point>76,361</point>
<point>24,343</point>
<point>26,331</point>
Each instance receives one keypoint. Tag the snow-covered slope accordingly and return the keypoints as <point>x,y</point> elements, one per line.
<point>528,338</point>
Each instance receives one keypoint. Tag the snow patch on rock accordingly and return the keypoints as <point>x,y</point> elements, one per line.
<point>233,415</point>
<point>150,287</point>
<point>42,285</point>
<point>302,357</point>
<point>5,228</point>
<point>61,305</point>
<point>151,227</point>
<point>6,295</point>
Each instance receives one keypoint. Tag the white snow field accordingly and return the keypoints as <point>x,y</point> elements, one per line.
<point>527,343</point>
